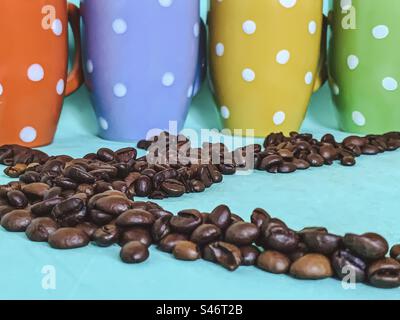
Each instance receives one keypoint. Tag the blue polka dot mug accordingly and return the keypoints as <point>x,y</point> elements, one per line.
<point>141,60</point>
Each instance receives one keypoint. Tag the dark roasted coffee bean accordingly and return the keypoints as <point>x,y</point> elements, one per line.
<point>384,273</point>
<point>17,220</point>
<point>40,229</point>
<point>88,227</point>
<point>299,252</point>
<point>135,217</point>
<point>4,209</point>
<point>126,154</point>
<point>328,138</point>
<point>221,217</point>
<point>113,204</point>
<point>260,217</point>
<point>311,267</point>
<point>100,218</point>
<point>186,250</point>
<point>105,154</point>
<point>106,235</point>
<point>134,252</point>
<point>168,243</point>
<point>287,167</point>
<point>328,152</point>
<point>274,262</point>
<point>242,233</point>
<point>236,218</point>
<point>369,245</point>
<point>68,238</point>
<point>225,254</point>
<point>140,234</point>
<point>79,174</point>
<point>197,186</point>
<point>312,230</point>
<point>227,169</point>
<point>395,252</point>
<point>205,234</point>
<point>173,188</point>
<point>161,228</point>
<point>249,255</point>
<point>159,213</point>
<point>70,212</point>
<point>35,191</point>
<point>279,238</point>
<point>345,263</point>
<point>321,242</point>
<point>348,161</point>
<point>271,161</point>
<point>30,177</point>
<point>301,164</point>
<point>354,140</point>
<point>17,199</point>
<point>143,186</point>
<point>370,149</point>
<point>186,221</point>
<point>315,160</point>
<point>205,177</point>
<point>15,171</point>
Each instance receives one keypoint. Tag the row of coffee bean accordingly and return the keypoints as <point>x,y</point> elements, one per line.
<point>222,237</point>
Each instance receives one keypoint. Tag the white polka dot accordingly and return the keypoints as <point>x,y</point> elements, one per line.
<point>249,27</point>
<point>279,118</point>
<point>1,90</point>
<point>352,61</point>
<point>89,66</point>
<point>28,134</point>
<point>60,87</point>
<point>309,77</point>
<point>168,79</point>
<point>35,72</point>
<point>165,3</point>
<point>220,49</point>
<point>288,3</point>
<point>312,27</point>
<point>248,75</point>
<point>335,89</point>
<point>120,90</point>
<point>346,4</point>
<point>119,26</point>
<point>57,27</point>
<point>225,113</point>
<point>358,118</point>
<point>196,29</point>
<point>103,123</point>
<point>190,92</point>
<point>283,57</point>
<point>380,32</point>
<point>390,84</point>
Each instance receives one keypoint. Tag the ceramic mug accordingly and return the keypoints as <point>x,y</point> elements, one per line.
<point>364,65</point>
<point>33,68</point>
<point>265,61</point>
<point>141,59</point>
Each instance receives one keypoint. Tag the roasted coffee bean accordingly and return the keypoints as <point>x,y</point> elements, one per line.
<point>274,262</point>
<point>79,174</point>
<point>173,188</point>
<point>134,252</point>
<point>384,273</point>
<point>227,169</point>
<point>301,164</point>
<point>321,242</point>
<point>35,191</point>
<point>161,228</point>
<point>236,218</point>
<point>311,267</point>
<point>348,161</point>
<point>315,160</point>
<point>135,217</point>
<point>30,177</point>
<point>287,167</point>
<point>186,221</point>
<point>370,149</point>
<point>242,233</point>
<point>299,252</point>
<point>17,199</point>
<point>44,208</point>
<point>70,212</point>
<point>249,255</point>
<point>312,230</point>
<point>4,209</point>
<point>196,186</point>
<point>168,243</point>
<point>186,250</point>
<point>15,171</point>
<point>354,140</point>
<point>40,229</point>
<point>369,245</point>
<point>106,235</point>
<point>260,217</point>
<point>328,152</point>
<point>345,263</point>
<point>159,213</point>
<point>126,154</point>
<point>143,186</point>
<point>279,238</point>
<point>17,220</point>
<point>113,204</point>
<point>271,161</point>
<point>205,234</point>
<point>140,234</point>
<point>221,217</point>
<point>105,154</point>
<point>68,238</point>
<point>88,227</point>
<point>100,218</point>
<point>395,252</point>
<point>225,254</point>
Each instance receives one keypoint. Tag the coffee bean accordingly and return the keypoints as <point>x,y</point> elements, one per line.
<point>186,221</point>
<point>17,199</point>
<point>161,228</point>
<point>328,152</point>
<point>17,220</point>
<point>173,188</point>
<point>221,217</point>
<point>143,186</point>
<point>384,273</point>
<point>106,235</point>
<point>301,164</point>
<point>126,154</point>
<point>35,191</point>
<point>369,245</point>
<point>260,217</point>
<point>370,149</point>
<point>186,250</point>
<point>134,252</point>
<point>70,212</point>
<point>395,252</point>
<point>135,217</point>
<point>236,218</point>
<point>113,204</point>
<point>299,252</point>
<point>225,254</point>
<point>354,140</point>
<point>315,160</point>
<point>348,161</point>
<point>287,167</point>
<point>68,238</point>
<point>279,238</point>
<point>15,171</point>
<point>205,234</point>
<point>321,242</point>
<point>40,229</point>
<point>271,161</point>
<point>105,154</point>
<point>140,234</point>
<point>249,255</point>
<point>88,227</point>
<point>242,233</point>
<point>168,243</point>
<point>345,263</point>
<point>274,262</point>
<point>312,267</point>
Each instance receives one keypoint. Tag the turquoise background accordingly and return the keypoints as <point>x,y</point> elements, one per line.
<point>360,199</point>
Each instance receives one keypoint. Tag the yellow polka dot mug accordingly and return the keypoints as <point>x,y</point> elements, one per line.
<point>265,61</point>
<point>364,64</point>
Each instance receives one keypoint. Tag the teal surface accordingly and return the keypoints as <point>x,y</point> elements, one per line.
<point>360,199</point>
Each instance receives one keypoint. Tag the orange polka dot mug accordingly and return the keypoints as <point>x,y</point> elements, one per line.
<point>364,65</point>
<point>265,61</point>
<point>33,70</point>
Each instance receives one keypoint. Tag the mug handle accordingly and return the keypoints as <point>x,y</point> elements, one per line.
<point>322,73</point>
<point>75,77</point>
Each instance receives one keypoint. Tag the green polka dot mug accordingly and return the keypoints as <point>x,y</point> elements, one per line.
<point>364,64</point>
